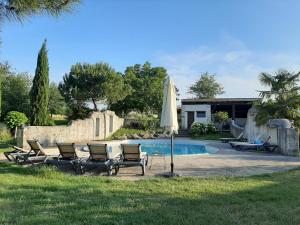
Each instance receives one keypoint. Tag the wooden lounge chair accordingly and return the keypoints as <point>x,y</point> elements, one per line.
<point>99,156</point>
<point>67,152</point>
<point>133,156</point>
<point>36,153</point>
<point>264,146</point>
<point>11,155</point>
<point>238,138</point>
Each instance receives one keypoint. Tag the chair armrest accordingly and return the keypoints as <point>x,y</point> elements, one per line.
<point>18,148</point>
<point>117,156</point>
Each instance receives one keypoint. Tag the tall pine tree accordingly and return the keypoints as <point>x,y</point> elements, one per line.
<point>39,93</point>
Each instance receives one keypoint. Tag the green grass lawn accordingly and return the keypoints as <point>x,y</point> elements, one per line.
<point>60,120</point>
<point>4,145</point>
<point>46,196</point>
<point>215,136</point>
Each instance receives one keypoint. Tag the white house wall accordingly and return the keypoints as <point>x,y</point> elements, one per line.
<point>194,108</point>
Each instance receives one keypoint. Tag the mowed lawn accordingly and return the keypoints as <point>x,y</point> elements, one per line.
<point>47,196</point>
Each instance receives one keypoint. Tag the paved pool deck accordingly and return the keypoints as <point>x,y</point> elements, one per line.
<point>225,162</point>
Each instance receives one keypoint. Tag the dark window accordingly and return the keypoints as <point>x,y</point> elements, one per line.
<point>111,124</point>
<point>97,127</point>
<point>201,114</point>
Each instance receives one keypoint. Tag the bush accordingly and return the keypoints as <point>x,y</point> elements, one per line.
<point>15,119</point>
<point>75,112</point>
<point>211,128</point>
<point>221,118</point>
<point>199,128</point>
<point>143,121</point>
<point>4,134</point>
<point>125,131</point>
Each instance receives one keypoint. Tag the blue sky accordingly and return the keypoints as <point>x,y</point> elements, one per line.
<point>235,39</point>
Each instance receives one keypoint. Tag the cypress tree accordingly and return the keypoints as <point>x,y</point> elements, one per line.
<point>39,93</point>
<point>0,92</point>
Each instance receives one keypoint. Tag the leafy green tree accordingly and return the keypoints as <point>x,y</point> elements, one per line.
<point>86,83</point>
<point>39,93</point>
<point>15,95</point>
<point>57,103</point>
<point>147,90</point>
<point>282,100</point>
<point>206,87</point>
<point>221,117</point>
<point>4,71</point>
<point>21,9</point>
<point>15,119</point>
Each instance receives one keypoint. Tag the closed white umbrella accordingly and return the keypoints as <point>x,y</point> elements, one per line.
<point>169,114</point>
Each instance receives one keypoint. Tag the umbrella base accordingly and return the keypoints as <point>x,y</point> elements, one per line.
<point>170,175</point>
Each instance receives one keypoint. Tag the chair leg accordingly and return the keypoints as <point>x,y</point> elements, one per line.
<point>147,159</point>
<point>79,169</point>
<point>109,170</point>
<point>143,168</point>
<point>7,154</point>
<point>117,167</point>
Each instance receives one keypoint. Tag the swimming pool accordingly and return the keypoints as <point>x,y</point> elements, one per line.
<point>163,147</point>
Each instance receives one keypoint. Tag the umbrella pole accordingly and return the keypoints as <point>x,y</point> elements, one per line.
<point>172,160</point>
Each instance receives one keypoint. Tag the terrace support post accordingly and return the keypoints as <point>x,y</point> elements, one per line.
<point>233,111</point>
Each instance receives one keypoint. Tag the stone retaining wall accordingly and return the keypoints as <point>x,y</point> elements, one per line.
<point>285,136</point>
<point>98,126</point>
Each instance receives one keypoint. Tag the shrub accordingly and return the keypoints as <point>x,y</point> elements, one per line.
<point>125,131</point>
<point>75,112</point>
<point>4,134</point>
<point>211,128</point>
<point>221,118</point>
<point>143,121</point>
<point>199,128</point>
<point>15,119</point>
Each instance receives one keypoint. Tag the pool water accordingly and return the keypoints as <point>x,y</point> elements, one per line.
<point>179,149</point>
<point>163,147</point>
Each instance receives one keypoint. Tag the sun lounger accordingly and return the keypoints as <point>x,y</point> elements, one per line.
<point>266,146</point>
<point>238,138</point>
<point>99,156</point>
<point>133,156</point>
<point>11,155</point>
<point>67,152</point>
<point>67,155</point>
<point>36,153</point>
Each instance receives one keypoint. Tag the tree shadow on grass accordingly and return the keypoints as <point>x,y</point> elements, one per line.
<point>50,197</point>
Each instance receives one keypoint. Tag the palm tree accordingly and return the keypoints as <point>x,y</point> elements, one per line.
<point>21,9</point>
<point>282,100</point>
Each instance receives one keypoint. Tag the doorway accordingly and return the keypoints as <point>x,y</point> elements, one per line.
<point>190,119</point>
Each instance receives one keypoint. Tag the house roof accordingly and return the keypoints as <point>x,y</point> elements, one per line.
<point>219,100</point>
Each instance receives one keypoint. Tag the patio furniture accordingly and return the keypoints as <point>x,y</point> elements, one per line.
<point>67,155</point>
<point>238,138</point>
<point>132,156</point>
<point>99,156</point>
<point>233,144</point>
<point>264,146</point>
<point>10,155</point>
<point>36,153</point>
